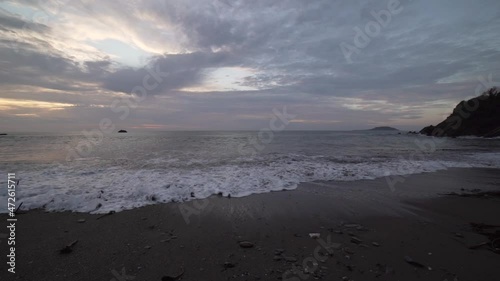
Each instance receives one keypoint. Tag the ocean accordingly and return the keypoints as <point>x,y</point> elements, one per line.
<point>75,172</point>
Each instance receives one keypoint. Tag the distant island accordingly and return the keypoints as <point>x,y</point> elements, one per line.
<point>384,129</point>
<point>3,134</point>
<point>122,131</point>
<point>479,116</point>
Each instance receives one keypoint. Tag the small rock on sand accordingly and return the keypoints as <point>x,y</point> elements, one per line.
<point>314,235</point>
<point>246,244</point>
<point>356,240</point>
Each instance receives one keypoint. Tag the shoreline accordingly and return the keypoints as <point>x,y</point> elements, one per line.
<point>201,237</point>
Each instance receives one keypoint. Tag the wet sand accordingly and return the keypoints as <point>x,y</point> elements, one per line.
<point>367,232</point>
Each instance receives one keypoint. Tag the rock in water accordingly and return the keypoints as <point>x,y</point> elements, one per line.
<point>384,128</point>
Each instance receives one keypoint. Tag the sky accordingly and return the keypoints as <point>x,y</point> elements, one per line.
<point>68,65</point>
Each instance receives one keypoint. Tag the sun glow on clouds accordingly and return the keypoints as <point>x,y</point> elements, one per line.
<point>8,104</point>
<point>309,121</point>
<point>155,127</point>
<point>371,105</point>
<point>223,79</point>
<point>27,115</point>
<point>92,30</point>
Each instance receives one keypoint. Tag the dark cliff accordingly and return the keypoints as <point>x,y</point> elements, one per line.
<point>479,116</point>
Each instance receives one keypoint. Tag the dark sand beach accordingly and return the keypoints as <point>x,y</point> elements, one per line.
<point>367,232</point>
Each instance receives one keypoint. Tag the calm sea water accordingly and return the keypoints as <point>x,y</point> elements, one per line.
<point>123,171</point>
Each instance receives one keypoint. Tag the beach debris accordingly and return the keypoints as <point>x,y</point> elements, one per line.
<point>347,251</point>
<point>356,240</point>
<point>383,269</point>
<point>477,246</point>
<point>315,265</point>
<point>246,244</point>
<point>375,244</point>
<point>229,265</point>
<point>81,220</point>
<point>361,228</point>
<point>352,225</point>
<point>192,194</point>
<point>492,232</point>
<point>99,205</point>
<point>107,214</point>
<point>495,244</point>
<point>333,246</point>
<point>279,251</point>
<point>17,212</point>
<point>147,247</point>
<point>68,248</point>
<point>172,278</point>
<point>475,193</point>
<point>314,235</point>
<point>416,263</point>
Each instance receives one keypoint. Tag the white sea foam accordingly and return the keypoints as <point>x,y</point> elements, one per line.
<point>131,171</point>
<point>83,188</point>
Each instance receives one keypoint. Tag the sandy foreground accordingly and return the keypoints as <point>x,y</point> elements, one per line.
<point>419,230</point>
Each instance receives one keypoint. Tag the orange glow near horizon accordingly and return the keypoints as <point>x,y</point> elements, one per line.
<point>10,104</point>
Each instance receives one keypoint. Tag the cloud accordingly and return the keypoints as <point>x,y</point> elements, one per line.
<point>425,60</point>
